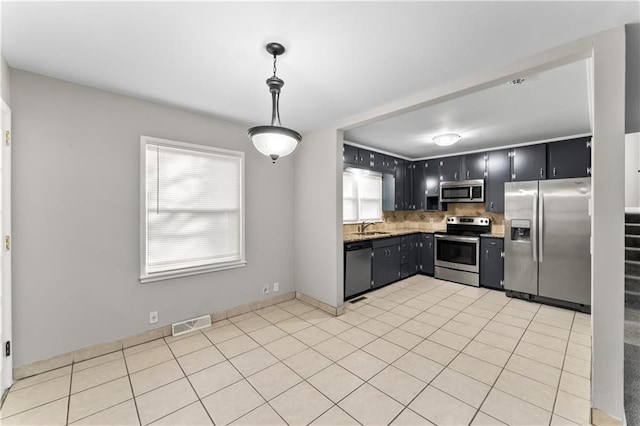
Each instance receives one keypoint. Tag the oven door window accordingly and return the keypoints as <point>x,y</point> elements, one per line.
<point>455,193</point>
<point>457,252</point>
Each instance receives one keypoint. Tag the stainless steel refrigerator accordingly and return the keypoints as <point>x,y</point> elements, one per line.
<point>547,239</point>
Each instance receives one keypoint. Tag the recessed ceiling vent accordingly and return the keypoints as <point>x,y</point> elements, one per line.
<point>516,81</point>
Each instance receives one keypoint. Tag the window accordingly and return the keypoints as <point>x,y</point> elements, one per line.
<point>361,196</point>
<point>192,209</point>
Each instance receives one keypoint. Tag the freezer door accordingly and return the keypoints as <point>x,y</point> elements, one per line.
<point>520,243</point>
<point>565,230</point>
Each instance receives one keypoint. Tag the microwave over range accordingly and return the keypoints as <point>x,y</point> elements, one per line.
<point>464,191</point>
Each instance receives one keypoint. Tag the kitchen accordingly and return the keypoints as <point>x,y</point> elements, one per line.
<point>303,221</point>
<point>462,197</point>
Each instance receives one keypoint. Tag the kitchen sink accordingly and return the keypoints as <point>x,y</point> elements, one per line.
<point>372,233</point>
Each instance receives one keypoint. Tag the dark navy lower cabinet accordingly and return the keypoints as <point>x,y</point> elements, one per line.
<point>426,254</point>
<point>385,262</point>
<point>492,262</point>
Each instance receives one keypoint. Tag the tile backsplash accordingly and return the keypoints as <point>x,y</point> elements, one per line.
<point>431,221</point>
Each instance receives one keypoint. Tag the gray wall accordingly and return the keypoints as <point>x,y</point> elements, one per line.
<point>318,216</point>
<point>76,159</point>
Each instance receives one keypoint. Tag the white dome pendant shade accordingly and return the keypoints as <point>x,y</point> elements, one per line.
<point>274,141</point>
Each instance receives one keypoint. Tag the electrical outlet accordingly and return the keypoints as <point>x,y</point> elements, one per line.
<point>265,289</point>
<point>153,317</point>
<point>276,287</point>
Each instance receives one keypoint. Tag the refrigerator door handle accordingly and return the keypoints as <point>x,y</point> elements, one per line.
<point>541,226</point>
<point>534,236</point>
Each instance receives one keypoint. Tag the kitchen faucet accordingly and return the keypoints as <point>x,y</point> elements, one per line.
<point>364,226</point>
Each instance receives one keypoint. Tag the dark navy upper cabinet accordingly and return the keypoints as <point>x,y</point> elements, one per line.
<point>449,169</point>
<point>408,185</point>
<point>389,164</point>
<point>569,159</point>
<point>350,155</point>
<point>529,163</point>
<point>498,172</point>
<point>432,185</point>
<point>473,166</point>
<point>419,185</point>
<point>400,176</point>
<point>377,160</point>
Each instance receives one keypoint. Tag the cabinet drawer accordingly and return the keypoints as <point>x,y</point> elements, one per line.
<point>493,242</point>
<point>385,242</point>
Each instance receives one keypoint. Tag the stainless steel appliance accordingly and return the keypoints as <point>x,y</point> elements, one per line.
<point>463,191</point>
<point>457,252</point>
<point>357,268</point>
<point>547,241</point>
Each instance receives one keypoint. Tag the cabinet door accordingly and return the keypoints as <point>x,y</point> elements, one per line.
<point>569,159</point>
<point>498,172</point>
<point>392,264</point>
<point>432,178</point>
<point>364,158</point>
<point>529,163</point>
<point>414,252</point>
<point>389,164</point>
<point>492,263</point>
<point>419,186</point>
<point>350,155</point>
<point>449,169</point>
<point>379,267</point>
<point>426,254</point>
<point>473,166</point>
<point>432,185</point>
<point>408,186</point>
<point>400,172</point>
<point>377,161</point>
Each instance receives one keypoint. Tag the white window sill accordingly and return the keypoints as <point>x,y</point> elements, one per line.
<point>159,276</point>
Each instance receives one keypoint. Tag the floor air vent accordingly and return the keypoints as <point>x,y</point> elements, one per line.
<point>193,324</point>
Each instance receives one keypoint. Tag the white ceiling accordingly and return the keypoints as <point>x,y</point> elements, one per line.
<point>343,58</point>
<point>548,105</point>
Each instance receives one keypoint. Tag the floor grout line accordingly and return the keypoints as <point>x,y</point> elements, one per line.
<point>443,295</point>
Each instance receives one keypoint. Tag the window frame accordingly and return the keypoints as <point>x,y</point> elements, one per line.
<point>359,199</point>
<point>145,276</point>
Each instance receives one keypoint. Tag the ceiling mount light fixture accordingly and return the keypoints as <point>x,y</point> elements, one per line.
<point>446,139</point>
<point>274,140</point>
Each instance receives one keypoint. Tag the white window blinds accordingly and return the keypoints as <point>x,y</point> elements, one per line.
<point>361,196</point>
<point>193,208</point>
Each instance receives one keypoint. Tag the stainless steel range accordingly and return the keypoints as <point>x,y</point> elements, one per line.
<point>457,252</point>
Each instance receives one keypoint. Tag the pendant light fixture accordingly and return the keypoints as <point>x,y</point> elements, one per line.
<point>274,140</point>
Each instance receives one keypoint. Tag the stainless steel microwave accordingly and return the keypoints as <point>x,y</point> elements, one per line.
<point>463,191</point>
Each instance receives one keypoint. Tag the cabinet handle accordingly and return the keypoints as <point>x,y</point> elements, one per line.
<point>467,174</point>
<point>455,175</point>
<point>430,245</point>
<point>589,171</point>
<point>486,254</point>
<point>554,171</point>
<point>541,172</point>
<point>502,254</point>
<point>492,204</point>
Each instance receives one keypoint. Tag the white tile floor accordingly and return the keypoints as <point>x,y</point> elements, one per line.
<point>421,351</point>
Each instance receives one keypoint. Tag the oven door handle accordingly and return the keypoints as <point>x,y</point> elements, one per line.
<point>458,238</point>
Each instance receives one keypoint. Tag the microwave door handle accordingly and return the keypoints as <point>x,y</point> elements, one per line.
<point>534,237</point>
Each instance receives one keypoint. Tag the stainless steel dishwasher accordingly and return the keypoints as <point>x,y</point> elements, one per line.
<point>357,268</point>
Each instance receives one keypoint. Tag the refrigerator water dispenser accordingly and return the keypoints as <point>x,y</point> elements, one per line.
<point>521,230</point>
